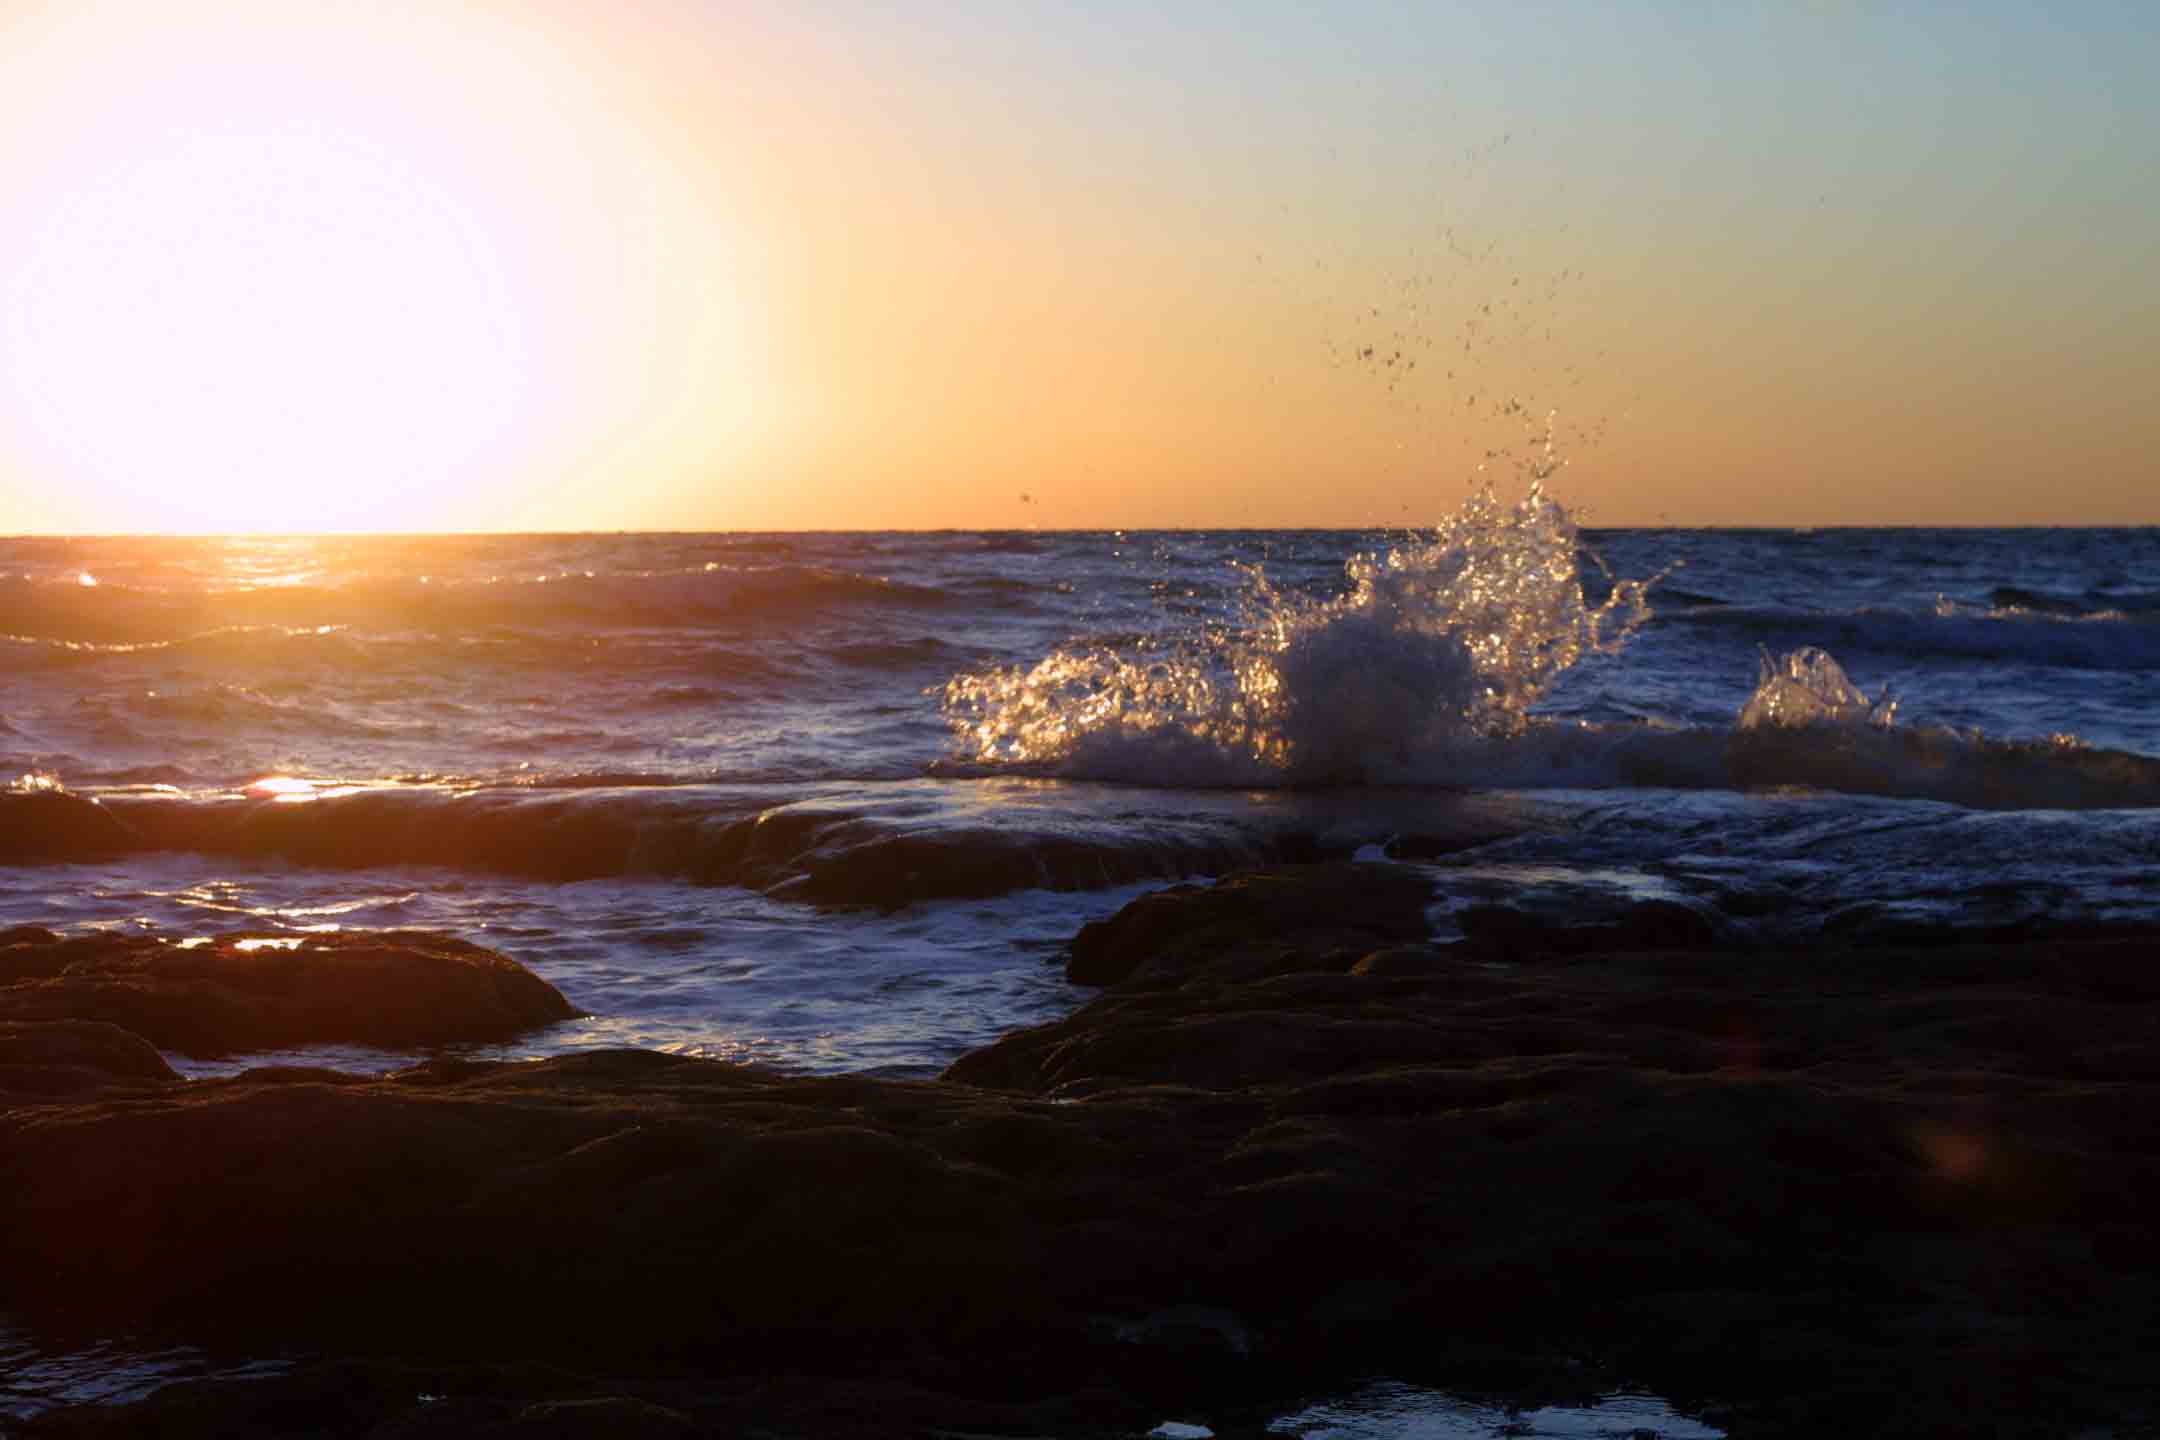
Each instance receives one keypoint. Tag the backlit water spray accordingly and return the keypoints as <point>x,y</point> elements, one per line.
<point>1437,645</point>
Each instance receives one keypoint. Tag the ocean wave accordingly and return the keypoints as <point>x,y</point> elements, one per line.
<point>2097,640</point>
<point>966,542</point>
<point>850,849</point>
<point>113,617</point>
<point>216,711</point>
<point>1807,726</point>
<point>271,650</point>
<point>1666,594</point>
<point>888,655</point>
<point>2090,605</point>
<point>1448,638</point>
<point>1977,772</point>
<point>161,776</point>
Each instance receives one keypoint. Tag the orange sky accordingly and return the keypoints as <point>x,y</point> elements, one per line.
<point>303,266</point>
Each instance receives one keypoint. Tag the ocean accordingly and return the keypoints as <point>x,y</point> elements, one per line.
<point>834,801</point>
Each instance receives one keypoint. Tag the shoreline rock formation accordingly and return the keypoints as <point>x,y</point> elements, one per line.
<point>1900,1189</point>
<point>246,991</point>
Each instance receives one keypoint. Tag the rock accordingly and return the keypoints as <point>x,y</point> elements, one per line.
<point>29,952</point>
<point>385,1400</point>
<point>1189,1330</point>
<point>690,1204</point>
<point>1917,1181</point>
<point>391,1400</point>
<point>1645,925</point>
<point>600,1415</point>
<point>1647,1115</point>
<point>1257,914</point>
<point>889,871</point>
<point>65,1056</point>
<point>1399,960</point>
<point>403,989</point>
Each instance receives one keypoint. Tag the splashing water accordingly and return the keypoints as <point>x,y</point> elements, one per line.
<point>1809,688</point>
<point>1438,644</point>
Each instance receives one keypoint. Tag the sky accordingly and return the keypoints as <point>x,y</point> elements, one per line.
<point>296,265</point>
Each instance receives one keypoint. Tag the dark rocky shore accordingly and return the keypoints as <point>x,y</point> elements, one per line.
<point>1891,1190</point>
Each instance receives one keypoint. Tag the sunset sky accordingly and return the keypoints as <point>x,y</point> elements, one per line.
<point>319,266</point>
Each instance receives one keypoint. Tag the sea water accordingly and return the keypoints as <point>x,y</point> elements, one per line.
<point>833,802</point>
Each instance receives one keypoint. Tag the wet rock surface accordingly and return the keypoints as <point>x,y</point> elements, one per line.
<point>1268,921</point>
<point>240,992</point>
<point>64,1057</point>
<point>1889,1190</point>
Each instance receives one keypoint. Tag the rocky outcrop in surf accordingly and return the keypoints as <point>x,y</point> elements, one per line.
<point>246,992</point>
<point>1251,923</point>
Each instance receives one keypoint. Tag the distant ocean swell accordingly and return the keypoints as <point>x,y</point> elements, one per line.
<point>66,611</point>
<point>284,654</point>
<point>2098,639</point>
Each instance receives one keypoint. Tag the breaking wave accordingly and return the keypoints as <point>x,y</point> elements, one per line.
<point>1439,644</point>
<point>1427,669</point>
<point>1809,725</point>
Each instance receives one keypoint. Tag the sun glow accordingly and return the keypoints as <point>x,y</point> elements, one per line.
<point>259,332</point>
<point>326,269</point>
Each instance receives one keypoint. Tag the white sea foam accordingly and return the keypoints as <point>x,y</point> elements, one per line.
<point>1438,644</point>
